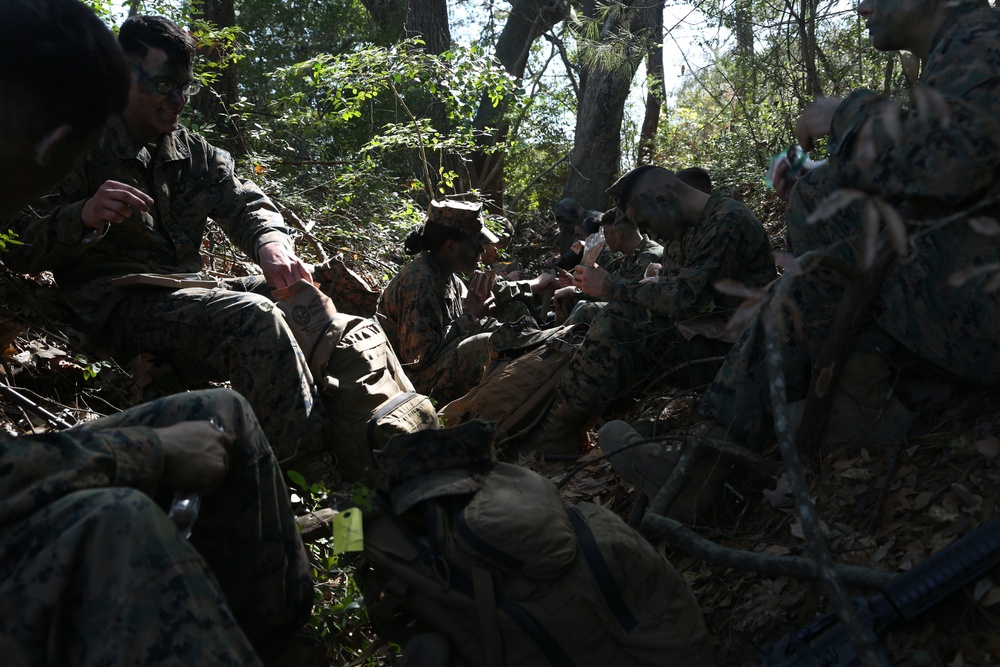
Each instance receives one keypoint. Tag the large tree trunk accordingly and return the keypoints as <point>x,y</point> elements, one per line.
<point>596,158</point>
<point>214,102</point>
<point>527,21</point>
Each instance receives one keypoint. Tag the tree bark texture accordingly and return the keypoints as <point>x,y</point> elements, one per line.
<point>596,159</point>
<point>213,102</point>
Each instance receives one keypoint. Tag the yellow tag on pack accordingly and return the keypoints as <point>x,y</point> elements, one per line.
<point>348,534</point>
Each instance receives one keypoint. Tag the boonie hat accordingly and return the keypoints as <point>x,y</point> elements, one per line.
<point>464,216</point>
<point>437,462</point>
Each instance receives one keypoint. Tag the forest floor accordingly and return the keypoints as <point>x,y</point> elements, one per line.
<point>881,507</point>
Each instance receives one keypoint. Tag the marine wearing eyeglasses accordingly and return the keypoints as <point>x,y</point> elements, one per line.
<point>139,203</point>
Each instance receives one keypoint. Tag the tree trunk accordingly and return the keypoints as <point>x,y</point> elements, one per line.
<point>527,21</point>
<point>213,101</point>
<point>654,74</point>
<point>596,158</point>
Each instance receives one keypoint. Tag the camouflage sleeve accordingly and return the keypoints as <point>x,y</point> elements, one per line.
<point>421,318</point>
<point>51,231</point>
<point>680,293</point>
<point>946,148</point>
<point>249,218</point>
<point>38,469</point>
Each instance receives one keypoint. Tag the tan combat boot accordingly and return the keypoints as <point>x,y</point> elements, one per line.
<point>312,317</point>
<point>650,465</point>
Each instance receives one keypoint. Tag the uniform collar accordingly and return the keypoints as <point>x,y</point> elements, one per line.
<point>170,148</point>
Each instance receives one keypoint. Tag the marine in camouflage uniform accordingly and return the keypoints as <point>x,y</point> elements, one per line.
<point>443,347</point>
<point>229,333</point>
<point>653,328</point>
<point>93,572</point>
<point>636,338</point>
<point>630,267</point>
<point>944,160</point>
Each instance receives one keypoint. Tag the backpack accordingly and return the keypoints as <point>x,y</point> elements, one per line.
<point>486,556</point>
<point>368,398</point>
<point>519,387</point>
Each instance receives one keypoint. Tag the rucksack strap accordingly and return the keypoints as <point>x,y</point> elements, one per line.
<point>602,573</point>
<point>489,619</point>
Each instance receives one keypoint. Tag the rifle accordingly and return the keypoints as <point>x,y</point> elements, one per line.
<point>824,642</point>
<point>31,406</point>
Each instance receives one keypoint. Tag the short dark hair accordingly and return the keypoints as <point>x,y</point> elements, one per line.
<point>61,65</point>
<point>697,178</point>
<point>628,182</point>
<point>139,33</point>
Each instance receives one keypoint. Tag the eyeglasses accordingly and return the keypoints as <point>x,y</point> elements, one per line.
<point>168,87</point>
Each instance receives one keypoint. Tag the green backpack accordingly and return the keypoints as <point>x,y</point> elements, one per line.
<point>486,556</point>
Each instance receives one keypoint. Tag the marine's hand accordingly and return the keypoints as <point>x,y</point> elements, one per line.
<point>590,280</point>
<point>479,294</point>
<point>815,120</point>
<point>565,278</point>
<point>782,184</point>
<point>280,266</point>
<point>113,202</point>
<point>196,455</point>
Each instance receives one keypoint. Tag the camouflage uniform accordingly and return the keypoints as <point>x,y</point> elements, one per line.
<point>92,572</point>
<point>931,172</point>
<point>205,334</point>
<point>443,349</point>
<point>628,267</point>
<point>635,339</point>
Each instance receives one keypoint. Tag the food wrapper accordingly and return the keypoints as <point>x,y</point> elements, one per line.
<point>592,248</point>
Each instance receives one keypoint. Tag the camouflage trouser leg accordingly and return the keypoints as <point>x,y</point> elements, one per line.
<point>219,334</point>
<point>101,578</point>
<point>626,350</point>
<point>739,396</point>
<point>511,311</point>
<point>246,530</point>
<point>456,371</point>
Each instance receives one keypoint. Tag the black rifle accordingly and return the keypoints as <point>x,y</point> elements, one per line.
<point>29,405</point>
<point>824,643</point>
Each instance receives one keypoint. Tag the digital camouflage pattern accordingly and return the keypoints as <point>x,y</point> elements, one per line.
<point>218,334</point>
<point>628,267</point>
<point>92,572</point>
<point>437,462</point>
<point>635,340</point>
<point>633,267</point>
<point>928,171</point>
<point>443,349</point>
<point>511,300</point>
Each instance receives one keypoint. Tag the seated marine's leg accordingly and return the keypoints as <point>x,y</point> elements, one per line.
<point>456,371</point>
<point>246,530</point>
<point>102,577</point>
<point>240,336</point>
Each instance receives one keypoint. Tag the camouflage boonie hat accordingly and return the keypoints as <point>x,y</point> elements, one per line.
<point>463,216</point>
<point>437,462</point>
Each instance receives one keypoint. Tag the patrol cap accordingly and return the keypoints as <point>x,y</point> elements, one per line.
<point>437,462</point>
<point>463,216</point>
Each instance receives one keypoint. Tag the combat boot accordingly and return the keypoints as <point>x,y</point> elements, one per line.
<point>650,465</point>
<point>562,435</point>
<point>312,317</point>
